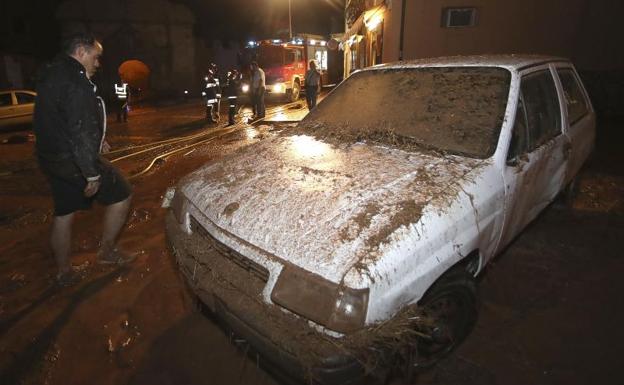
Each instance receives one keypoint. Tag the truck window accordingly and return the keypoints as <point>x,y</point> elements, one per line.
<point>321,59</point>
<point>270,56</point>
<point>290,56</point>
<point>574,98</point>
<point>542,107</point>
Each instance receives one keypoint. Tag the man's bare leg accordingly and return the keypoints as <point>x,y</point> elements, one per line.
<point>114,220</point>
<point>60,240</point>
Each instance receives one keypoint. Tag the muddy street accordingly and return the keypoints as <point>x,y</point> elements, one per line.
<point>551,304</point>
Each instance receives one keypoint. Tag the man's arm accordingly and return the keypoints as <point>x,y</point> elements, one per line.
<point>82,130</point>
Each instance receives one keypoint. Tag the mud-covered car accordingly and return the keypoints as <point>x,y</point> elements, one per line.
<point>351,242</point>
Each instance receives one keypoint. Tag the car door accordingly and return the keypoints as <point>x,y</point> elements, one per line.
<point>536,161</point>
<point>580,121</point>
<point>7,109</point>
<point>24,107</point>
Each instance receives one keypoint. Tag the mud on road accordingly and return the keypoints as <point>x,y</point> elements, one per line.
<point>551,309</point>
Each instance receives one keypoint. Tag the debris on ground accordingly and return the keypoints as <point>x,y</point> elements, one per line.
<point>139,215</point>
<point>121,333</point>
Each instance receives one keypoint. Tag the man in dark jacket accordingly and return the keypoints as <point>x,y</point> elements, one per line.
<point>70,127</point>
<point>312,84</point>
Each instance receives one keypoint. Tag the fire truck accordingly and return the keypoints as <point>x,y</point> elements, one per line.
<point>285,63</point>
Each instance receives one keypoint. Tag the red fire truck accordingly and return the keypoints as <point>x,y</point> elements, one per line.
<point>285,63</point>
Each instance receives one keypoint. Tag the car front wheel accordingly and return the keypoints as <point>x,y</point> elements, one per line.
<point>451,306</point>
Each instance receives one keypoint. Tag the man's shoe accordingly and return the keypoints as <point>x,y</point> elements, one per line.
<point>116,257</point>
<point>69,278</point>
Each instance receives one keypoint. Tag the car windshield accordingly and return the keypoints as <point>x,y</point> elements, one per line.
<point>458,110</point>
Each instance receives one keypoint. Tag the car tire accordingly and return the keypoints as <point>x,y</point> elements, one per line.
<point>452,304</point>
<point>293,94</point>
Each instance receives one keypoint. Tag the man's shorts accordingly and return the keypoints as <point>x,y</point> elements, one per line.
<point>68,184</point>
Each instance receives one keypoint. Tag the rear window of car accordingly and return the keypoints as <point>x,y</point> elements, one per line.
<point>458,110</point>
<point>540,99</point>
<point>24,98</point>
<point>574,98</point>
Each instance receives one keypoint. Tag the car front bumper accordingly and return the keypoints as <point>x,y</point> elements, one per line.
<point>234,297</point>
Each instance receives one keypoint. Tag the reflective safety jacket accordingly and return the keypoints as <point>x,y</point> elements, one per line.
<point>212,90</point>
<point>121,91</point>
<point>231,87</point>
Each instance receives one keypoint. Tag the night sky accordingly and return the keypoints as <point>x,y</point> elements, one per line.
<point>227,20</point>
<point>243,19</point>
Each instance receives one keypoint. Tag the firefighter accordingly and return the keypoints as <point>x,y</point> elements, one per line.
<point>231,91</point>
<point>121,99</point>
<point>212,93</point>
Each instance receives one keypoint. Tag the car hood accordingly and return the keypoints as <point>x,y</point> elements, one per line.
<point>321,207</point>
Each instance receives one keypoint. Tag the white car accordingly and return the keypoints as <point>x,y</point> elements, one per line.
<point>392,194</point>
<point>16,107</point>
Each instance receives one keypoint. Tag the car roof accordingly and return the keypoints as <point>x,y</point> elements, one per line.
<point>26,91</point>
<point>512,61</point>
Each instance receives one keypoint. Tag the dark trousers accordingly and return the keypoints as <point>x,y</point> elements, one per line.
<point>311,93</point>
<point>122,111</point>
<point>257,101</point>
<point>212,112</point>
<point>212,109</point>
<point>232,109</point>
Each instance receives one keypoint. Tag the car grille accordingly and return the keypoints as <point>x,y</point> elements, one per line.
<point>247,264</point>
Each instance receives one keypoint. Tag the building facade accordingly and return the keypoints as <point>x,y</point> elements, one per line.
<point>380,31</point>
<point>152,41</point>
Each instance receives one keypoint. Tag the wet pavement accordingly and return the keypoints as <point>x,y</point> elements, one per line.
<point>551,305</point>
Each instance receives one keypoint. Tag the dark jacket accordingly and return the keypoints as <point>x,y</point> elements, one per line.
<point>68,119</point>
<point>232,86</point>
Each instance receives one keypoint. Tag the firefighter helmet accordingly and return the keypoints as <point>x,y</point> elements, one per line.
<point>212,69</point>
<point>233,74</point>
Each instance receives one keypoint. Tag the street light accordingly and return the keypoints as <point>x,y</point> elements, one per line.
<point>289,21</point>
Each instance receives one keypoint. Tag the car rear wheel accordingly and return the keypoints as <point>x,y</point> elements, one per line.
<point>451,304</point>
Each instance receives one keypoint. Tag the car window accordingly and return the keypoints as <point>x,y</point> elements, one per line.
<point>24,98</point>
<point>542,107</point>
<point>574,98</point>
<point>520,136</point>
<point>5,100</point>
<point>459,110</point>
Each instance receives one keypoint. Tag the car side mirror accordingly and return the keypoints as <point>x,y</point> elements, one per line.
<point>513,162</point>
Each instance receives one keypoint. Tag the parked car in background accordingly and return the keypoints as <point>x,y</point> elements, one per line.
<point>388,199</point>
<point>16,107</point>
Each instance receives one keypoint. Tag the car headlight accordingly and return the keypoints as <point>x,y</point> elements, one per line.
<point>245,88</point>
<point>279,87</point>
<point>334,306</point>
